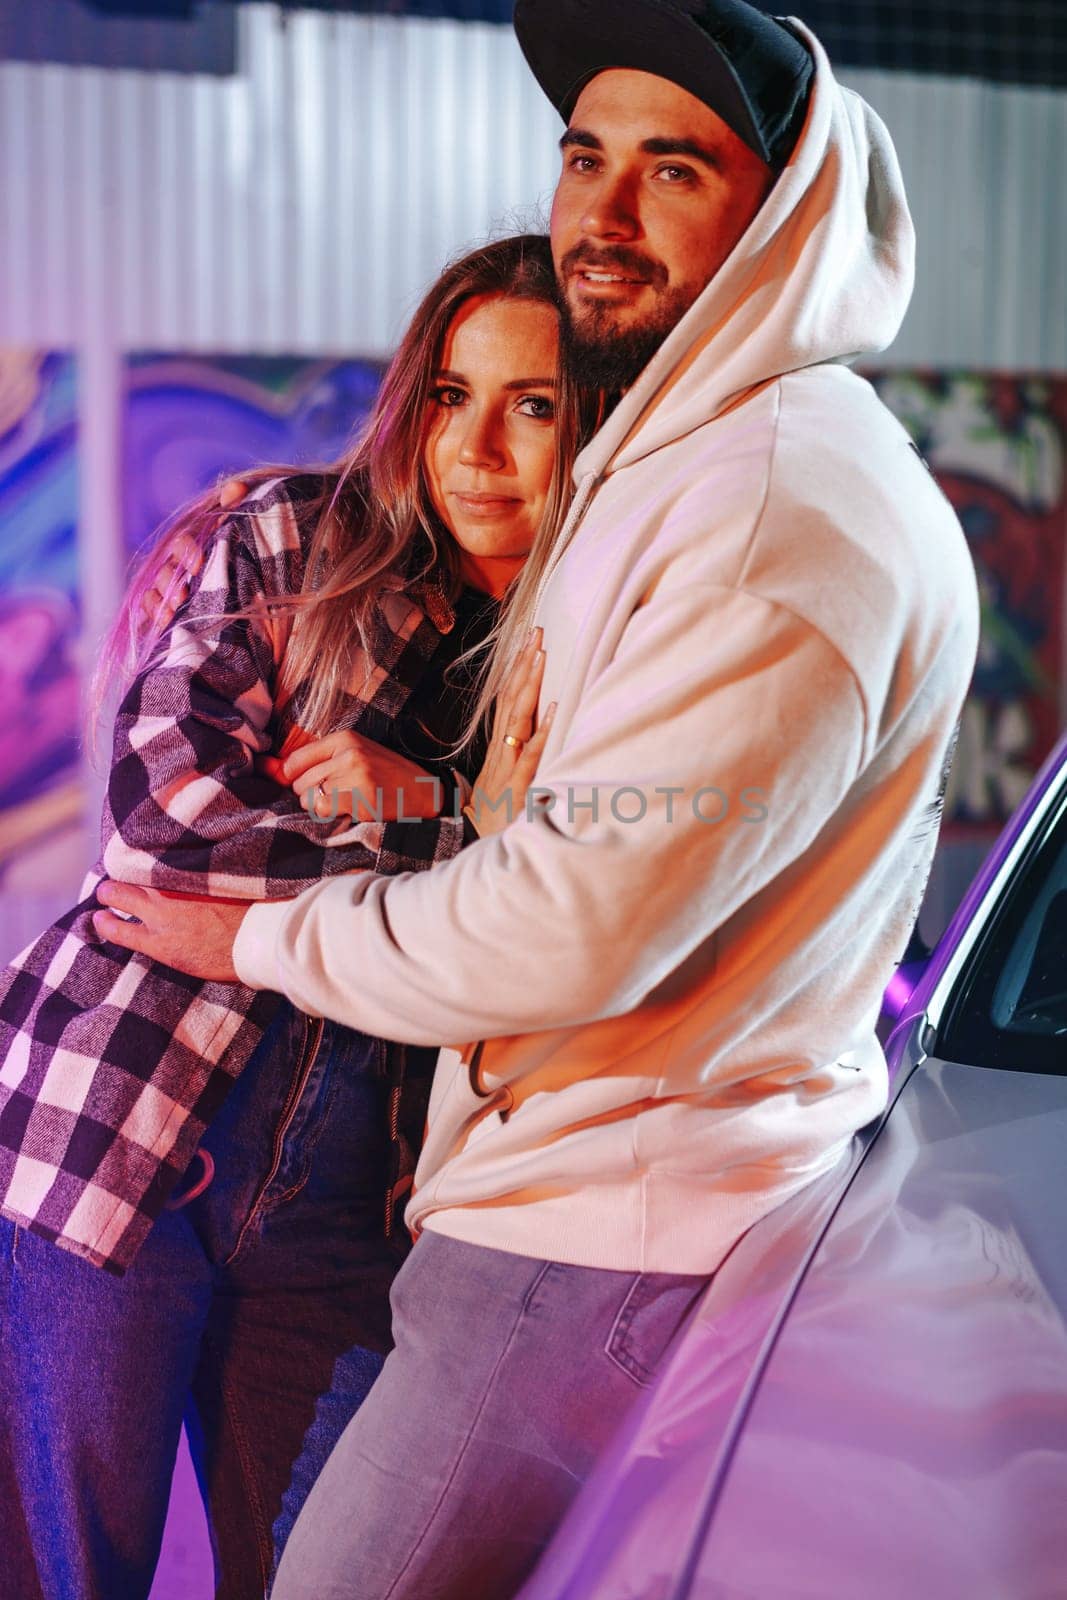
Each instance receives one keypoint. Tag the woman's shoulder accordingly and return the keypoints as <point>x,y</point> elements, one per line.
<point>274,525</point>
<point>279,514</point>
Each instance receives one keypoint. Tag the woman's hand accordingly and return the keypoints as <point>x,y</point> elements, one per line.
<point>171,587</point>
<point>346,774</point>
<point>510,768</point>
<point>184,560</point>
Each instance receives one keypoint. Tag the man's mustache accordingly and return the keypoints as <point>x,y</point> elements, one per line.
<point>628,263</point>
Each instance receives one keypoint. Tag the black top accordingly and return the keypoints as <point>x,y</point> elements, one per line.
<point>437,708</point>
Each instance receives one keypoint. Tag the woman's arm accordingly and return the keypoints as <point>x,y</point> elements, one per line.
<point>187,810</point>
<point>346,774</point>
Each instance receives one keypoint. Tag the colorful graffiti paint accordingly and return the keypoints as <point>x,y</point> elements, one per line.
<point>997,445</point>
<point>192,420</point>
<point>42,798</point>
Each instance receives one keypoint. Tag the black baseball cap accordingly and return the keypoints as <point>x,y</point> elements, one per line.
<point>751,69</point>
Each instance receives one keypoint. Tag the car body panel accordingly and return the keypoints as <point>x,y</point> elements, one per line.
<point>871,1399</point>
<point>909,1434</point>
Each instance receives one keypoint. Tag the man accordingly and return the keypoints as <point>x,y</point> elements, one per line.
<point>760,624</point>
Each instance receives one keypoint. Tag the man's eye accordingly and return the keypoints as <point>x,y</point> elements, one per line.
<point>581,163</point>
<point>675,174</point>
<point>538,406</point>
<point>448,395</point>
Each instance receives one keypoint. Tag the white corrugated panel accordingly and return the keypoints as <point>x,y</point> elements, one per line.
<point>298,207</point>
<point>983,166</point>
<point>302,205</point>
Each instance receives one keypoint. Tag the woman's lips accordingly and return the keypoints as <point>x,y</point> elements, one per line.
<point>485,505</point>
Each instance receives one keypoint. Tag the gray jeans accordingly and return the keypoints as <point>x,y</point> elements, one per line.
<point>508,1377</point>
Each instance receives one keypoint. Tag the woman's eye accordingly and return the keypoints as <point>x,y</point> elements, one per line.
<point>447,395</point>
<point>538,406</point>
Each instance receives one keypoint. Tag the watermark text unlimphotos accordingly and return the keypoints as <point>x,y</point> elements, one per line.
<point>627,804</point>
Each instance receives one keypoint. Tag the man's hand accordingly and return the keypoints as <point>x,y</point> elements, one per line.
<point>196,936</point>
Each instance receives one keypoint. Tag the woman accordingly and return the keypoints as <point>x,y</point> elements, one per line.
<point>318,642</point>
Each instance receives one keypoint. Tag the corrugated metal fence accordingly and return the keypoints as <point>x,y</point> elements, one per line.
<point>301,205</point>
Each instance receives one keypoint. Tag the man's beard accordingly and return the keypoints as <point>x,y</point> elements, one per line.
<point>601,353</point>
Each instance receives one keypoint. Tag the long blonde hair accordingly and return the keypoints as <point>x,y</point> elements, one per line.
<point>374,517</point>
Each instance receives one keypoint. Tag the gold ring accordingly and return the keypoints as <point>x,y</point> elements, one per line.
<point>516,744</point>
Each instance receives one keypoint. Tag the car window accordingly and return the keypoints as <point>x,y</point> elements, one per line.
<point>1010,1004</point>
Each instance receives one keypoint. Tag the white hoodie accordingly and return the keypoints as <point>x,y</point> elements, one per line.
<point>760,589</point>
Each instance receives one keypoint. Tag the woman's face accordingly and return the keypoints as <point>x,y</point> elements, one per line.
<point>491,444</point>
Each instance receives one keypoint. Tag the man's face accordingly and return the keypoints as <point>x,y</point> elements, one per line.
<point>655,192</point>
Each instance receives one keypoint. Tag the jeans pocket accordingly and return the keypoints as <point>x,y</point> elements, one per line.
<point>656,1305</point>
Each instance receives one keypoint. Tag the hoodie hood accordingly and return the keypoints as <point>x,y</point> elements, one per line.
<point>823,273</point>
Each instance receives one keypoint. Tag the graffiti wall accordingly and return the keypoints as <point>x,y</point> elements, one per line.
<point>998,447</point>
<point>192,420</point>
<point>186,422</point>
<point>42,798</point>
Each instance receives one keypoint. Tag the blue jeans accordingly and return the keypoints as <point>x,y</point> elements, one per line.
<point>508,1377</point>
<point>244,1310</point>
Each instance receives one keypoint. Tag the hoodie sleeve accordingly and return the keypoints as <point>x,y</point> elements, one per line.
<point>714,747</point>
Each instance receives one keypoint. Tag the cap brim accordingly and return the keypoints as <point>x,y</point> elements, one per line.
<point>567,42</point>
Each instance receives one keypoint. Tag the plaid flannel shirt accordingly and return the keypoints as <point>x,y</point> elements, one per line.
<point>111,1066</point>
